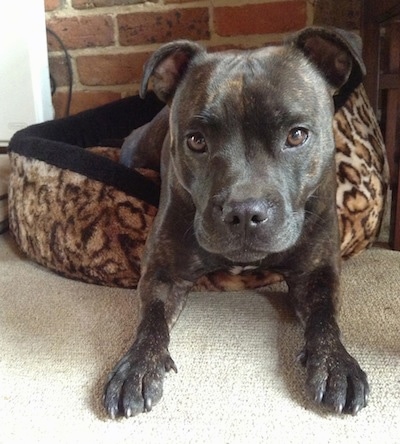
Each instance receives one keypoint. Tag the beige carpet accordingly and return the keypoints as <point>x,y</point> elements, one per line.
<point>238,381</point>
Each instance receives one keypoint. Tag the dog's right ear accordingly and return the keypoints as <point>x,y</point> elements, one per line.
<point>335,52</point>
<point>167,66</point>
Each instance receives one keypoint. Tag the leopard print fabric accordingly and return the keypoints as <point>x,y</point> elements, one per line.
<point>362,173</point>
<point>80,228</point>
<point>84,229</point>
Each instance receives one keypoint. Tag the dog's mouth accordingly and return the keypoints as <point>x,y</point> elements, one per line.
<point>245,256</point>
<point>249,250</point>
<point>252,257</point>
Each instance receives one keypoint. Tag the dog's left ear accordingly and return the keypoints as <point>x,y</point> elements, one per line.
<point>168,66</point>
<point>336,53</point>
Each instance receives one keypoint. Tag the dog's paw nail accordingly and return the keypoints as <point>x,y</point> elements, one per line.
<point>148,404</point>
<point>112,413</point>
<point>318,396</point>
<point>128,412</point>
<point>339,408</point>
<point>170,365</point>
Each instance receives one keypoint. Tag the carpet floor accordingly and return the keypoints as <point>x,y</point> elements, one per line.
<point>238,379</point>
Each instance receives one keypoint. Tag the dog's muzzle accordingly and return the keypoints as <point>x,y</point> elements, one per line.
<point>246,231</point>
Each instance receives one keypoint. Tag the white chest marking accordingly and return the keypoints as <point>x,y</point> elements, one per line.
<point>237,269</point>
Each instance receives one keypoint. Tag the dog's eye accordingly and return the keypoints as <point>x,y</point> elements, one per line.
<point>296,137</point>
<point>196,142</point>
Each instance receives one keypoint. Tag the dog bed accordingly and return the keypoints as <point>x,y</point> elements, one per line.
<point>74,209</point>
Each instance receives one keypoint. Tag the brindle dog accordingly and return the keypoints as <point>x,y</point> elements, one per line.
<point>248,180</point>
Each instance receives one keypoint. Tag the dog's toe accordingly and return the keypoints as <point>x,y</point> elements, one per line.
<point>358,392</point>
<point>136,384</point>
<point>338,382</point>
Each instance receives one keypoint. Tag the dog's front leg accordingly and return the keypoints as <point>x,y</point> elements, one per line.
<point>136,383</point>
<point>334,378</point>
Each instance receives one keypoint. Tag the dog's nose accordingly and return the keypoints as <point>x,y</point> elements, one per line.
<point>249,213</point>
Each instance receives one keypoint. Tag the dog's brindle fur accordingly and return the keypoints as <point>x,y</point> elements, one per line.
<point>248,179</point>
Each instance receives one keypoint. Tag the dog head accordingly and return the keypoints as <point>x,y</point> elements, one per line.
<point>251,136</point>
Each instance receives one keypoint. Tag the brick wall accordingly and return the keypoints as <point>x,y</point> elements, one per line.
<point>109,40</point>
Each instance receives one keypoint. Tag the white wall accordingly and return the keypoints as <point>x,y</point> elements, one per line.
<point>25,96</point>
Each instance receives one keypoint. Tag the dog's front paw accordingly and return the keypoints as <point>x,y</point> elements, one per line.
<point>336,380</point>
<point>136,384</point>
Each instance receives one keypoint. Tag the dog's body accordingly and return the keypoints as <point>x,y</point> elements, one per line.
<point>248,180</point>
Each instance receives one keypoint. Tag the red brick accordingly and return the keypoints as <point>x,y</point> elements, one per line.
<point>82,100</point>
<point>87,4</point>
<point>264,18</point>
<point>81,32</point>
<point>51,5</point>
<point>118,69</point>
<point>160,27</point>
